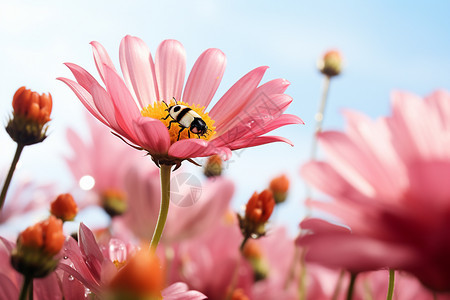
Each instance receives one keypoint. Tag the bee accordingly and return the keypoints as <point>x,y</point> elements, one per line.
<point>186,118</point>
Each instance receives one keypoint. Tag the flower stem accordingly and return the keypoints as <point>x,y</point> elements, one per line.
<point>26,287</point>
<point>337,288</point>
<point>320,115</point>
<point>164,208</point>
<point>10,173</point>
<point>391,284</point>
<point>244,241</point>
<point>351,286</point>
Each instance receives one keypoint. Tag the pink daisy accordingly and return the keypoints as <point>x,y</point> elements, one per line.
<point>149,109</point>
<point>389,183</point>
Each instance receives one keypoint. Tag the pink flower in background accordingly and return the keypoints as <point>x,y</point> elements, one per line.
<point>203,205</point>
<point>103,161</point>
<point>389,183</point>
<point>137,106</point>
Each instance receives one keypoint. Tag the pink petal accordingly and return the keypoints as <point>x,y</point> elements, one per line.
<point>8,290</point>
<point>257,141</point>
<point>259,112</point>
<point>105,106</point>
<point>354,253</point>
<point>90,249</point>
<point>152,135</point>
<point>205,77</point>
<point>235,99</point>
<point>195,148</point>
<point>321,226</point>
<point>210,206</point>
<point>126,110</point>
<point>101,59</point>
<point>275,86</point>
<point>170,65</point>
<point>85,98</point>
<point>179,291</point>
<point>48,288</point>
<point>138,70</point>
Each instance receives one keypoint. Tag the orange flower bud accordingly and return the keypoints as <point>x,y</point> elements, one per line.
<point>253,253</point>
<point>239,294</point>
<point>32,106</point>
<point>31,113</point>
<point>279,187</point>
<point>36,247</point>
<point>260,207</point>
<point>331,63</point>
<point>252,250</point>
<point>141,278</point>
<point>213,166</point>
<point>64,207</point>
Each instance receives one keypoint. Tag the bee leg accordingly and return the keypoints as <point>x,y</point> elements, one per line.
<point>189,134</point>
<point>170,123</point>
<point>179,132</point>
<point>166,117</point>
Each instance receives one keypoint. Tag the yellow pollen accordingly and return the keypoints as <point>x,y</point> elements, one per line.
<point>119,264</point>
<point>158,110</point>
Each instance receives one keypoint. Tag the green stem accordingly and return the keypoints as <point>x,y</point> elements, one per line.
<point>391,284</point>
<point>10,174</point>
<point>351,286</point>
<point>30,290</point>
<point>320,115</point>
<point>26,287</point>
<point>164,208</point>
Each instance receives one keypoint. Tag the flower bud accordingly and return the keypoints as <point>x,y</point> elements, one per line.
<point>64,207</point>
<point>239,294</point>
<point>258,210</point>
<point>213,166</point>
<point>279,187</point>
<point>141,278</point>
<point>331,63</point>
<point>31,113</point>
<point>37,247</point>
<point>114,202</point>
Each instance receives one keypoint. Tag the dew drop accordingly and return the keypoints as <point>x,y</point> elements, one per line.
<point>117,250</point>
<point>65,257</point>
<point>70,277</point>
<point>87,292</point>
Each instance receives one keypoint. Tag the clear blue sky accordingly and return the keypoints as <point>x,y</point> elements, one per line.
<point>386,44</point>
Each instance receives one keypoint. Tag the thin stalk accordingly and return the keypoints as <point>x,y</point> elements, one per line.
<point>391,284</point>
<point>10,174</point>
<point>27,282</point>
<point>337,288</point>
<point>320,115</point>
<point>164,208</point>
<point>351,286</point>
<point>244,241</point>
<point>30,290</point>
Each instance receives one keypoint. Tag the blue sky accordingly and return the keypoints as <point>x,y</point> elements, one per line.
<point>387,45</point>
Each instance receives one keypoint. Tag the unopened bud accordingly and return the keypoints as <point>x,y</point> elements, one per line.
<point>331,63</point>
<point>279,187</point>
<point>257,211</point>
<point>37,247</point>
<point>31,113</point>
<point>213,166</point>
<point>64,207</point>
<point>114,202</point>
<point>141,278</point>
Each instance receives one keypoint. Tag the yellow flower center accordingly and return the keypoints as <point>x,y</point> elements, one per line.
<point>181,125</point>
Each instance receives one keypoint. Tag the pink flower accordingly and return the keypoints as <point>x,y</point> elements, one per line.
<point>137,106</point>
<point>201,207</point>
<point>95,268</point>
<point>388,180</point>
<point>99,160</point>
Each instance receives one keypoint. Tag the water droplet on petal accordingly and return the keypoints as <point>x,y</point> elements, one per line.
<point>70,277</point>
<point>65,257</point>
<point>87,292</point>
<point>117,250</point>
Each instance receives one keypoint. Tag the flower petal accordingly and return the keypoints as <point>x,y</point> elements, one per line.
<point>101,58</point>
<point>205,77</point>
<point>170,65</point>
<point>196,148</point>
<point>236,98</point>
<point>126,110</point>
<point>152,135</point>
<point>138,69</point>
<point>85,98</point>
<point>257,141</point>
